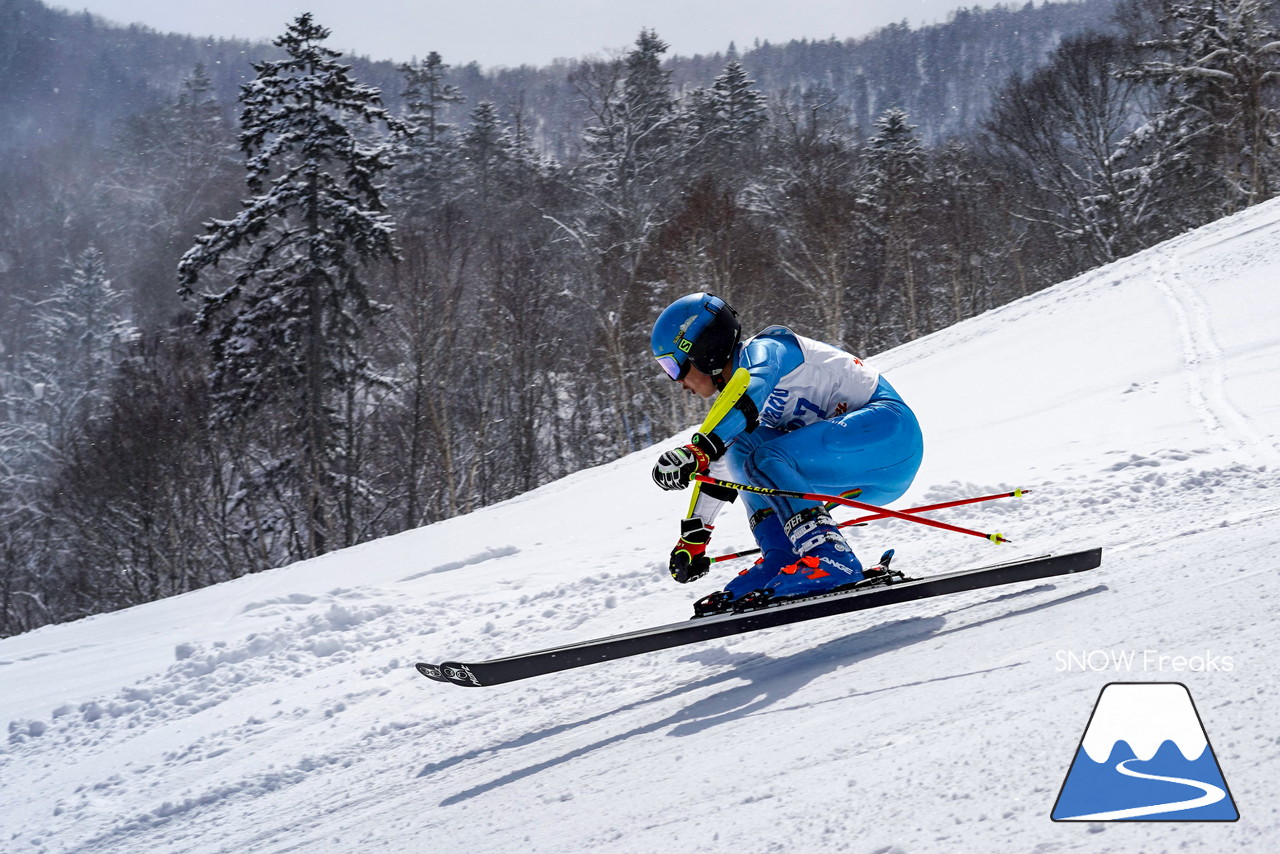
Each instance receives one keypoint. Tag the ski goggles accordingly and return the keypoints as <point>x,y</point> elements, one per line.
<point>675,369</point>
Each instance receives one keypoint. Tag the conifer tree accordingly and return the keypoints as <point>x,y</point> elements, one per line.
<point>629,162</point>
<point>1217,63</point>
<point>725,123</point>
<point>285,330</point>
<point>635,122</point>
<point>891,204</point>
<point>54,391</point>
<point>739,107</point>
<point>63,380</point>
<point>423,156</point>
<point>173,165</point>
<point>487,151</point>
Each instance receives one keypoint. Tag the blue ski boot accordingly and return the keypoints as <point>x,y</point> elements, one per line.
<point>826,561</point>
<point>775,553</point>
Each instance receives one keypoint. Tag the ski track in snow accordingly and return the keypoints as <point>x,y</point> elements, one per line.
<point>1205,373</point>
<point>287,716</point>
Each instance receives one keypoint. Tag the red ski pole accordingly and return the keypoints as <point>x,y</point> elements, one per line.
<point>1017,493</point>
<point>862,520</point>
<point>879,512</point>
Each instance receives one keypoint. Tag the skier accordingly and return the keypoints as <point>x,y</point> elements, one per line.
<point>795,414</point>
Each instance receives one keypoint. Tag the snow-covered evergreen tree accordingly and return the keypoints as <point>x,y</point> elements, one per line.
<point>895,156</point>
<point>423,158</point>
<point>496,162</point>
<point>487,151</point>
<point>286,329</point>
<point>630,160</point>
<point>739,107</point>
<point>635,120</point>
<point>724,124</point>
<point>57,388</point>
<point>890,204</point>
<point>1217,63</point>
<point>172,165</point>
<point>82,333</point>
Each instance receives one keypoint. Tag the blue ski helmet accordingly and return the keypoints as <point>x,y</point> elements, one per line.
<point>699,330</point>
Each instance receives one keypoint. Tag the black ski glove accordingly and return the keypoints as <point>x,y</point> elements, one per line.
<point>689,561</point>
<point>675,467</point>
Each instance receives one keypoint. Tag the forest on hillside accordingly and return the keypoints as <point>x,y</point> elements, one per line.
<point>72,77</point>
<point>239,333</point>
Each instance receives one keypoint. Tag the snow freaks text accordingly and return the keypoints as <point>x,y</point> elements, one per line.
<point>1145,660</point>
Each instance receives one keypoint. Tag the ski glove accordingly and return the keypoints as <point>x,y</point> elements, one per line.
<point>689,561</point>
<point>675,467</point>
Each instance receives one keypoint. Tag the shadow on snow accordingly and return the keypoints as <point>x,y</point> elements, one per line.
<point>769,682</point>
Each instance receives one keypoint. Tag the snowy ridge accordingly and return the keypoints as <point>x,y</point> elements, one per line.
<point>1139,402</point>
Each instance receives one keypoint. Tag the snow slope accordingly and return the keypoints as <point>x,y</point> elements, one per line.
<point>280,712</point>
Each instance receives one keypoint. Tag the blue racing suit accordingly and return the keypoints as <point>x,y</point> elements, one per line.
<point>812,419</point>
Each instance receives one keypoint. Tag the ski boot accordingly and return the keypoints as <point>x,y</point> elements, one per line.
<point>879,575</point>
<point>776,553</point>
<point>826,561</point>
<point>742,589</point>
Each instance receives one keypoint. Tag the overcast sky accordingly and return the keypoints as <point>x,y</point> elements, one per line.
<point>515,32</point>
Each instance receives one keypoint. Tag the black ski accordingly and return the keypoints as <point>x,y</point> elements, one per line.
<point>776,613</point>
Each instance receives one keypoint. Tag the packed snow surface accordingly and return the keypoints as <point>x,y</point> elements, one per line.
<point>1140,403</point>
